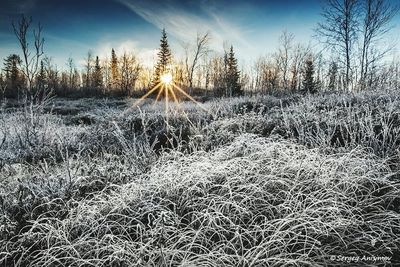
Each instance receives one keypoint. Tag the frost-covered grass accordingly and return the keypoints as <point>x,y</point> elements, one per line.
<point>252,181</point>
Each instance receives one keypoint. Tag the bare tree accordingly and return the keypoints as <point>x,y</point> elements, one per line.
<point>145,77</point>
<point>179,71</point>
<point>52,73</point>
<point>283,56</point>
<point>266,74</point>
<point>339,30</point>
<point>130,70</point>
<point>31,58</point>
<point>376,23</point>
<point>206,69</point>
<point>71,68</point>
<point>200,50</point>
<point>299,54</point>
<point>217,74</point>
<point>107,73</point>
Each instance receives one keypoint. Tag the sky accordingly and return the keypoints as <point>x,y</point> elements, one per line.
<point>72,28</point>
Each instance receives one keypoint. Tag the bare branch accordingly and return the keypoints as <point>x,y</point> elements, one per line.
<point>31,58</point>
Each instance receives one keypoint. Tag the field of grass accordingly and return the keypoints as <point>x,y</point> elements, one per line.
<point>251,181</point>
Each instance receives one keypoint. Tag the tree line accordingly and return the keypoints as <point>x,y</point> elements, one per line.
<point>354,58</point>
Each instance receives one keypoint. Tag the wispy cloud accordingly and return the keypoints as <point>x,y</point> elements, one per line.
<point>185,22</point>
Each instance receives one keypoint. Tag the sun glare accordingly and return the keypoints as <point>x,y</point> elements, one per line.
<point>167,89</point>
<point>166,78</point>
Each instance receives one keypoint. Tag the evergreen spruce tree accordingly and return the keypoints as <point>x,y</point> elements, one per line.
<point>332,75</point>
<point>164,59</point>
<point>11,70</point>
<point>224,91</point>
<point>309,84</point>
<point>13,79</point>
<point>233,75</point>
<point>2,84</point>
<point>114,70</point>
<point>76,79</point>
<point>89,70</point>
<point>41,79</point>
<point>97,74</point>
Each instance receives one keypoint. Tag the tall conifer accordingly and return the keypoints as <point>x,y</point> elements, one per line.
<point>233,85</point>
<point>309,84</point>
<point>114,70</point>
<point>164,59</point>
<point>97,74</point>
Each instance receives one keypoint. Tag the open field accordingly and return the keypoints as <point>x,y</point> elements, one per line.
<point>250,181</point>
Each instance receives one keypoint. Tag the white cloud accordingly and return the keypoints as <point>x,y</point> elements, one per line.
<point>148,57</point>
<point>145,55</point>
<point>184,24</point>
<point>125,46</point>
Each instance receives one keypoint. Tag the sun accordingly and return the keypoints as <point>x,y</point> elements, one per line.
<point>166,88</point>
<point>166,78</point>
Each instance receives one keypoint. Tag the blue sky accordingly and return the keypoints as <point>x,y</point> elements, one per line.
<point>71,28</point>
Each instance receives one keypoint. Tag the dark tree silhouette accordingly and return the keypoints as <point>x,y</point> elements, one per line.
<point>97,74</point>
<point>376,22</point>
<point>31,56</point>
<point>13,79</point>
<point>41,78</point>
<point>309,84</point>
<point>232,75</point>
<point>339,30</point>
<point>164,59</point>
<point>333,76</point>
<point>114,70</point>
